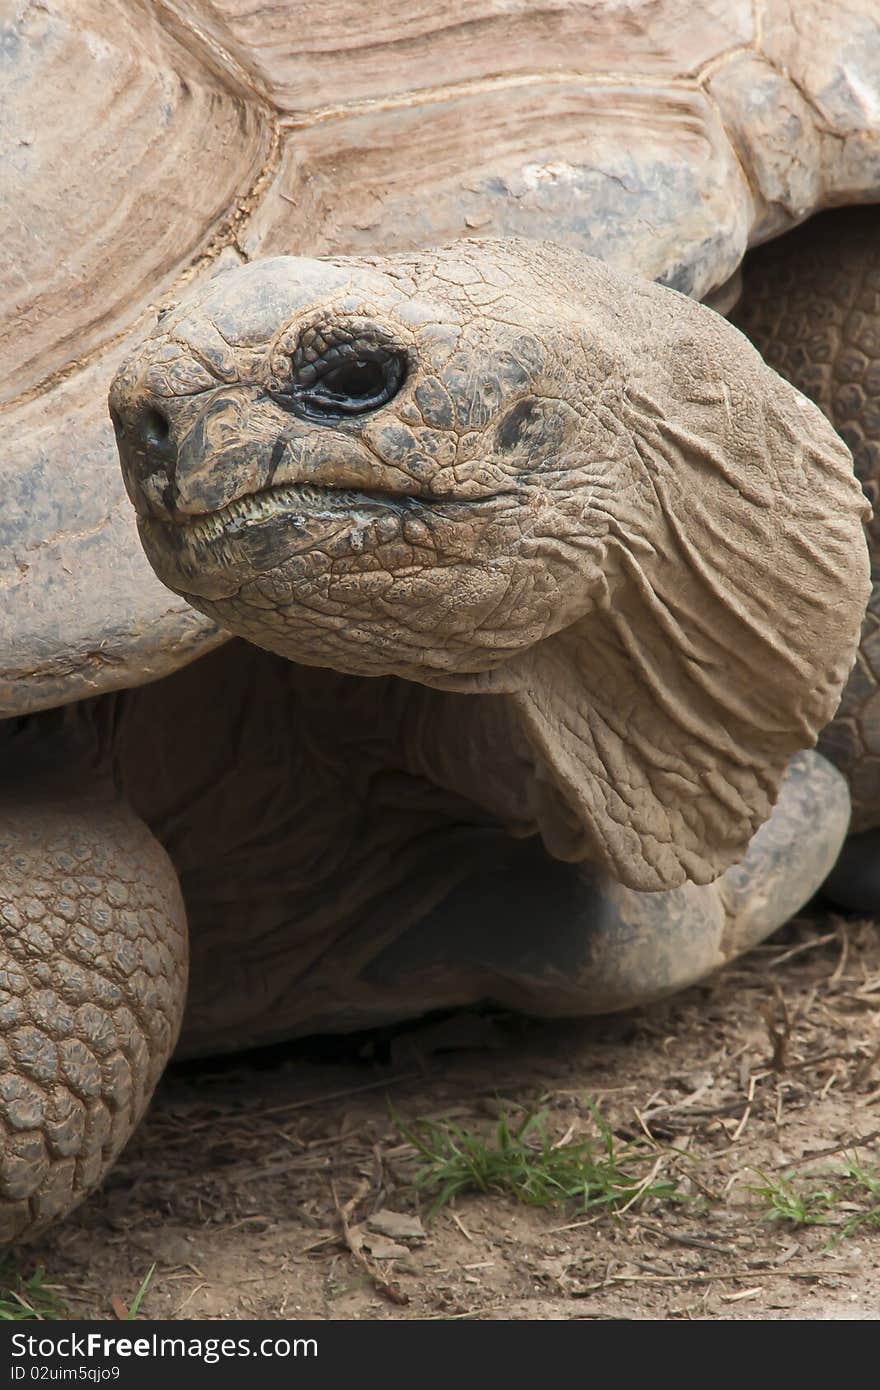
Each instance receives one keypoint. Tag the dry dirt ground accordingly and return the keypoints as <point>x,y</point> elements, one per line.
<point>251,1183</point>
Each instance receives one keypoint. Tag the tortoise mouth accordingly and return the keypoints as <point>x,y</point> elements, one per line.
<point>309,501</point>
<point>212,555</point>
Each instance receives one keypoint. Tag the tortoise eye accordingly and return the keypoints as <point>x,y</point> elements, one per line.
<point>357,385</point>
<point>348,379</point>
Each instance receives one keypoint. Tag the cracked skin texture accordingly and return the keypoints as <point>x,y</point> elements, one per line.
<point>92,989</point>
<point>590,500</point>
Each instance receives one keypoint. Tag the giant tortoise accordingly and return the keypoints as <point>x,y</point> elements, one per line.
<point>548,582</point>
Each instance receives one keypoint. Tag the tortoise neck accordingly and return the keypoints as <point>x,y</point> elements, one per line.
<point>473,745</point>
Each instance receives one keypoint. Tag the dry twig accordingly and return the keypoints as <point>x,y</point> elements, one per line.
<point>393,1292</point>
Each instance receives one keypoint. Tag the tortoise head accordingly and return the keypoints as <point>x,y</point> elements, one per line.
<point>362,467</point>
<point>503,467</point>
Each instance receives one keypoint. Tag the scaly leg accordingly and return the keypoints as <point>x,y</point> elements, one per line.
<point>811,305</point>
<point>92,986</point>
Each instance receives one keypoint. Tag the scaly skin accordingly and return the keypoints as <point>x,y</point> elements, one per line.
<point>92,986</point>
<point>811,305</point>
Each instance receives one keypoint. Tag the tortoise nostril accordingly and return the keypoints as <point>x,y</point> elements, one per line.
<point>155,426</point>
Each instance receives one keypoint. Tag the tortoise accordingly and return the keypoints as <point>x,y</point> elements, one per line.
<point>558,755</point>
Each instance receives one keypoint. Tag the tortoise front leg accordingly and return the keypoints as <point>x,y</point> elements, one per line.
<point>811,305</point>
<point>93,962</point>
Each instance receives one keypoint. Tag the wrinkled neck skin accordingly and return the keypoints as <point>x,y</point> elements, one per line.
<point>474,745</point>
<point>471,745</point>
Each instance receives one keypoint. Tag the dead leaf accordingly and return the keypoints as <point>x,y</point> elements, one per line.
<point>396,1225</point>
<point>381,1248</point>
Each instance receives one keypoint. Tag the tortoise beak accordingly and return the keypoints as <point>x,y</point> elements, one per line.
<point>186,456</point>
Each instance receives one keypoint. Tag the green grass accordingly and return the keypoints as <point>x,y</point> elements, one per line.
<point>524,1162</point>
<point>784,1200</point>
<point>847,1199</point>
<point>29,1296</point>
<point>26,1296</point>
<point>138,1298</point>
